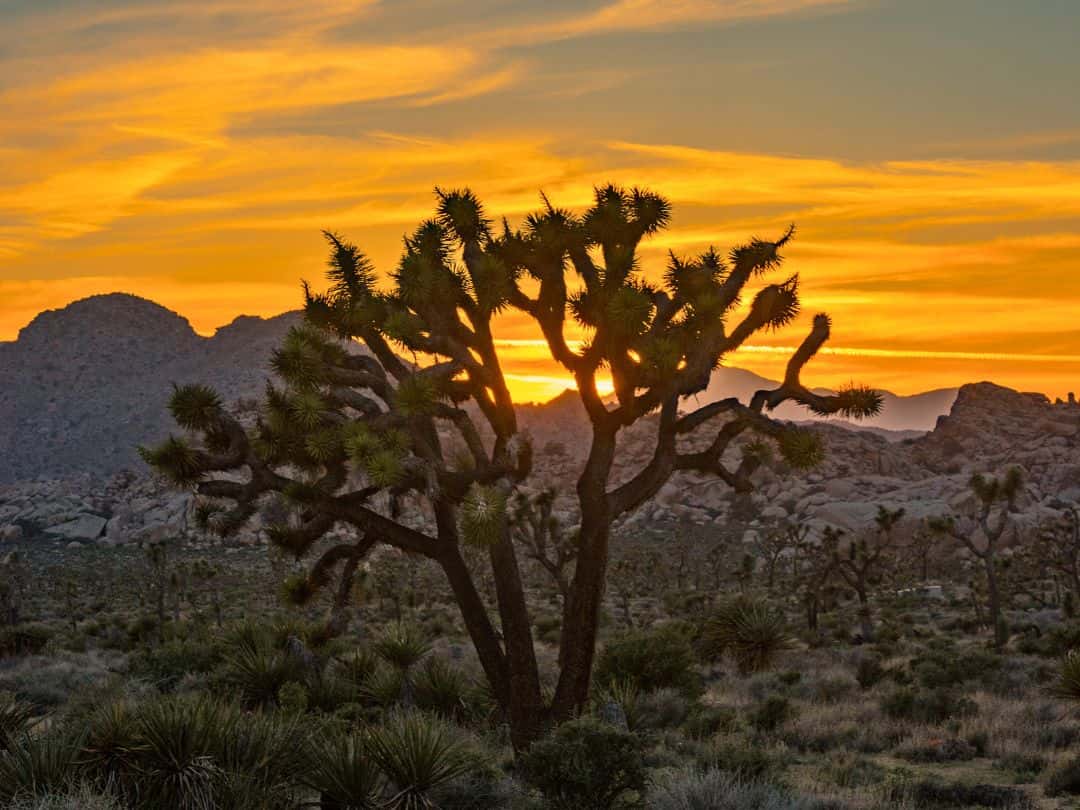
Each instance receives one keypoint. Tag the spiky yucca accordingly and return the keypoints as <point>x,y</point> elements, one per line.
<point>751,631</point>
<point>347,437</point>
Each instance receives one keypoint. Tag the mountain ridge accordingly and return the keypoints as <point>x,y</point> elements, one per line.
<point>83,385</point>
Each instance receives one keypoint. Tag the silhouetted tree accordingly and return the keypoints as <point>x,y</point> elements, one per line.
<point>995,501</point>
<point>352,435</point>
<point>542,537</point>
<point>864,562</point>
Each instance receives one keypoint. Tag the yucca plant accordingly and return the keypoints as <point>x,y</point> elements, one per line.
<point>176,766</point>
<point>625,694</point>
<point>383,687</point>
<point>260,757</point>
<point>343,772</point>
<point>37,766</point>
<point>418,753</point>
<point>16,719</point>
<point>112,745</point>
<point>258,672</point>
<point>1068,684</point>
<point>749,630</point>
<point>357,666</point>
<point>442,689</point>
<point>402,646</point>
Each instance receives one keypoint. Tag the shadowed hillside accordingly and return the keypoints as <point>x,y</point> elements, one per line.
<point>83,385</point>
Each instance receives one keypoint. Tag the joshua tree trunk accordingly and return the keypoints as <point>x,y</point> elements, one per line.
<point>993,599</point>
<point>866,618</point>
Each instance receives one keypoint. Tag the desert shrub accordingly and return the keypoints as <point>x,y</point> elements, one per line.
<point>664,708</point>
<point>771,713</point>
<point>1060,639</point>
<point>80,797</point>
<point>586,765</point>
<point>484,792</point>
<point>853,771</point>
<point>945,666</point>
<point>1024,767</point>
<point>716,790</point>
<point>705,721</point>
<point>937,793</point>
<point>751,631</point>
<point>292,697</point>
<point>166,665</point>
<point>660,658</point>
<point>548,628</point>
<point>1064,779</point>
<point>419,753</point>
<point>24,639</point>
<point>869,671</point>
<point>949,749</point>
<point>747,762</point>
<point>927,705</point>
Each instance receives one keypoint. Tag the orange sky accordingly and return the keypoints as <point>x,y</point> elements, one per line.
<point>191,152</point>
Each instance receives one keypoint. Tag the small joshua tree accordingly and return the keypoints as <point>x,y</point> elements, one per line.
<point>995,501</point>
<point>1058,545</point>
<point>13,582</point>
<point>542,537</point>
<point>817,564</point>
<point>354,437</point>
<point>865,561</point>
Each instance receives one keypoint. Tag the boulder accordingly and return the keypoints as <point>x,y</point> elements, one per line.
<point>83,527</point>
<point>11,533</point>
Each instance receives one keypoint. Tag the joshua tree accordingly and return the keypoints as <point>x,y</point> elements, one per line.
<point>817,564</point>
<point>355,435</point>
<point>995,501</point>
<point>1059,545</point>
<point>13,580</point>
<point>864,561</point>
<point>542,537</point>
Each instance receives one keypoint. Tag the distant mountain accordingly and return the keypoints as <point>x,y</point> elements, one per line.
<point>82,386</point>
<point>918,412</point>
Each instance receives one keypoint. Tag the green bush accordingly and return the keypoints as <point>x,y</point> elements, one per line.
<point>660,658</point>
<point>869,671</point>
<point>166,665</point>
<point>716,790</point>
<point>927,706</point>
<point>1064,779</point>
<point>24,639</point>
<point>586,765</point>
<point>771,713</point>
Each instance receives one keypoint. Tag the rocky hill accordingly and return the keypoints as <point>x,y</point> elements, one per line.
<point>82,386</point>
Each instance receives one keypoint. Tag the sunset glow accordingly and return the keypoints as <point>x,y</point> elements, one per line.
<point>191,152</point>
